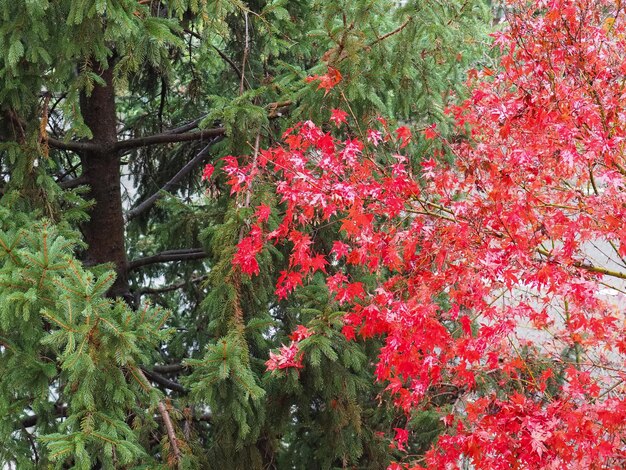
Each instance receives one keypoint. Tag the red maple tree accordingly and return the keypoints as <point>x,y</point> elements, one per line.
<point>522,232</point>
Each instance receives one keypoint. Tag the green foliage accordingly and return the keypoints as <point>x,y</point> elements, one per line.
<point>75,351</point>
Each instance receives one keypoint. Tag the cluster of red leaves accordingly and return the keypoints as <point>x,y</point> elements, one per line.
<point>289,356</point>
<point>504,233</point>
<point>327,81</point>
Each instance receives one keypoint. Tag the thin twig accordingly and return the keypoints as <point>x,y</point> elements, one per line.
<point>391,33</point>
<point>246,50</point>
<point>589,267</point>
<point>170,288</point>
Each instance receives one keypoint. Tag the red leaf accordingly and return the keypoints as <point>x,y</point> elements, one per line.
<point>404,135</point>
<point>338,116</point>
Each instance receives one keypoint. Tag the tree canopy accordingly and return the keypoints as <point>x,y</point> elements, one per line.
<point>312,234</point>
<point>494,269</point>
<point>128,339</point>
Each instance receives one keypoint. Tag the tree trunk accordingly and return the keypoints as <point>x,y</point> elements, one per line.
<point>104,233</point>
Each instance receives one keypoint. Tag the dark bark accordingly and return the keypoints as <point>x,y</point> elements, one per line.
<point>60,411</point>
<point>168,368</point>
<point>169,138</point>
<point>165,382</point>
<point>104,233</point>
<point>184,254</point>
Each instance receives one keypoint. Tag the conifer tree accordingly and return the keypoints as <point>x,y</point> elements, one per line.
<point>127,337</point>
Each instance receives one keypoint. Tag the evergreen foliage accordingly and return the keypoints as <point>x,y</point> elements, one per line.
<point>157,359</point>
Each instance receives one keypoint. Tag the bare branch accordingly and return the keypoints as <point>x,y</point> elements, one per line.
<point>246,50</point>
<point>224,57</point>
<point>164,382</point>
<point>171,434</point>
<point>73,146</point>
<point>168,368</point>
<point>73,183</point>
<point>168,138</point>
<point>391,33</point>
<point>186,127</point>
<point>169,255</point>
<point>278,109</point>
<point>232,64</point>
<point>60,411</point>
<point>170,288</point>
<point>184,171</point>
<point>589,267</point>
<point>167,422</point>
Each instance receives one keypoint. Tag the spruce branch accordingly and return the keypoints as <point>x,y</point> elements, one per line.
<point>73,183</point>
<point>164,382</point>
<point>391,33</point>
<point>185,254</point>
<point>60,411</point>
<point>184,171</point>
<point>167,138</point>
<point>186,127</point>
<point>170,288</point>
<point>73,146</point>
<point>180,134</point>
<point>168,368</point>
<point>167,422</point>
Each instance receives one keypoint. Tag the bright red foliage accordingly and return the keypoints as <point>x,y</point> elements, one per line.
<point>287,357</point>
<point>523,235</point>
<point>338,116</point>
<point>208,171</point>
<point>327,81</point>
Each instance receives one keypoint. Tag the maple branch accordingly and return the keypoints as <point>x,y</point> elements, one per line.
<point>597,193</point>
<point>609,390</point>
<point>542,251</point>
<point>599,270</point>
<point>589,267</point>
<point>431,214</point>
<point>186,254</point>
<point>184,171</point>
